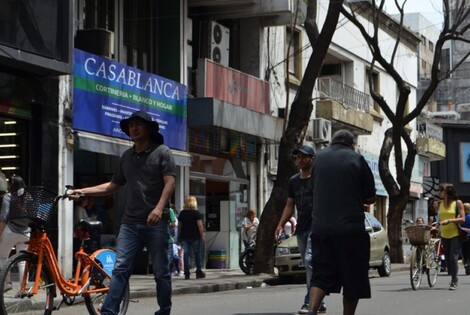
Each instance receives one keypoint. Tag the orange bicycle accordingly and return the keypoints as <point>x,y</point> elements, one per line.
<point>29,278</point>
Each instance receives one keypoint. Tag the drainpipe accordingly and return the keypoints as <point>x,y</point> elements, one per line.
<point>65,164</point>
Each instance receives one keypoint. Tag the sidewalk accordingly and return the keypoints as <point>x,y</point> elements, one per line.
<point>215,280</point>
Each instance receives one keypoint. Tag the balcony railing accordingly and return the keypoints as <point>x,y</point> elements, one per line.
<point>344,94</point>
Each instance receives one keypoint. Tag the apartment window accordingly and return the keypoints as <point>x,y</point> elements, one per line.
<point>293,38</point>
<point>431,46</point>
<point>423,41</point>
<point>373,83</point>
<point>98,14</point>
<point>139,23</point>
<point>445,62</point>
<point>423,64</point>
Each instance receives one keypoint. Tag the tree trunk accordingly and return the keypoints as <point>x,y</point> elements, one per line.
<point>294,134</point>
<point>394,219</point>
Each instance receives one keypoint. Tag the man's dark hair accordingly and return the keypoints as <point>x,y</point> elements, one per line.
<point>343,136</point>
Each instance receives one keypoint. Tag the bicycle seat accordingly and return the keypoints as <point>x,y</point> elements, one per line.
<point>86,225</point>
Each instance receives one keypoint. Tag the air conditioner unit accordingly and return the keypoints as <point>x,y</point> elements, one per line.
<point>215,41</point>
<point>97,41</point>
<point>321,130</point>
<point>273,158</point>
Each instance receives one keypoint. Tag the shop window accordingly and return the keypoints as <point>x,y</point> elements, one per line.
<point>13,149</point>
<point>38,27</point>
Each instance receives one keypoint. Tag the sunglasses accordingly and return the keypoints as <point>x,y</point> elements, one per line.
<point>442,189</point>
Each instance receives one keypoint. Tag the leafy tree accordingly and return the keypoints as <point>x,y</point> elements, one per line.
<point>398,187</point>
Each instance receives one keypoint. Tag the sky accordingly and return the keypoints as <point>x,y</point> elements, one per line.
<point>431,9</point>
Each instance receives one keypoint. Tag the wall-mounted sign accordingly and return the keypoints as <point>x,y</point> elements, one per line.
<point>106,91</point>
<point>373,162</point>
<point>464,162</point>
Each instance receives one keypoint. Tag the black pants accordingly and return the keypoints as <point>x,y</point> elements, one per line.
<point>466,254</point>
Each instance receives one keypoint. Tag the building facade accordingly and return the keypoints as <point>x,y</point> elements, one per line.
<point>218,76</point>
<point>452,113</point>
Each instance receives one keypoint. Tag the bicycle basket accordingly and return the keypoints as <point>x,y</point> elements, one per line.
<point>31,204</point>
<point>418,234</point>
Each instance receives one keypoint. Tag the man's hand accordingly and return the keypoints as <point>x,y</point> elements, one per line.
<point>75,194</point>
<point>278,232</point>
<point>154,216</point>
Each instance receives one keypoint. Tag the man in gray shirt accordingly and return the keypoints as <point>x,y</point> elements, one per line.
<point>148,170</point>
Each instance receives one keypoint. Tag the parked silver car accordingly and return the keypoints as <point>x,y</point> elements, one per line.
<point>287,257</point>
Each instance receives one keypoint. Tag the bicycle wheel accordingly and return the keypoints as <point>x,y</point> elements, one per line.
<point>105,258</point>
<point>416,267</point>
<point>17,298</point>
<point>433,266</point>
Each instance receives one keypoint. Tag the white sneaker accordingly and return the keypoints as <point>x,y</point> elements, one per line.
<point>304,309</point>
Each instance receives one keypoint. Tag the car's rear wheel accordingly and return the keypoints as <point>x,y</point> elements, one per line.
<point>386,268</point>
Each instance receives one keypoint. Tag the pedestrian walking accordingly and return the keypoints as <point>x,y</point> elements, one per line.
<point>300,196</point>
<point>148,171</point>
<point>12,233</point>
<point>466,243</point>
<point>191,235</point>
<point>343,183</point>
<point>451,214</point>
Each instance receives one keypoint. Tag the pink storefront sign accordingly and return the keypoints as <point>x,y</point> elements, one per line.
<point>235,87</point>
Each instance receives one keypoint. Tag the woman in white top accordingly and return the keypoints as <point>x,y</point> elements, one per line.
<point>250,227</point>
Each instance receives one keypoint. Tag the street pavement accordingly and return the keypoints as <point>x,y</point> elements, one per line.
<point>215,280</point>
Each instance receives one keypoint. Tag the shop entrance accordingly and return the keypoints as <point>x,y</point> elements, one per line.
<point>223,202</point>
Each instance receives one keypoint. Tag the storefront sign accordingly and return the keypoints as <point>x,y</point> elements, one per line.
<point>235,87</point>
<point>106,91</point>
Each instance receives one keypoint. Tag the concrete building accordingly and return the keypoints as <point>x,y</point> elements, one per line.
<point>36,49</point>
<point>452,114</point>
<point>447,116</point>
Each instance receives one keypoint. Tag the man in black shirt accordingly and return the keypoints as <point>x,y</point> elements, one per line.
<point>340,244</point>
<point>300,196</point>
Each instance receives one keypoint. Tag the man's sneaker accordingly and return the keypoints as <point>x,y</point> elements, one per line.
<point>200,274</point>
<point>322,308</point>
<point>453,286</point>
<point>304,309</point>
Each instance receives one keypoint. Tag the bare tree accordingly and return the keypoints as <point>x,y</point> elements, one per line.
<point>398,187</point>
<point>294,133</point>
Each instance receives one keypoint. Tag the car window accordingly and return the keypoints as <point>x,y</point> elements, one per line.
<point>376,226</point>
<point>366,223</point>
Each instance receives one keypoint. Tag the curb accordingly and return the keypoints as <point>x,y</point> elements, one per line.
<point>224,280</point>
